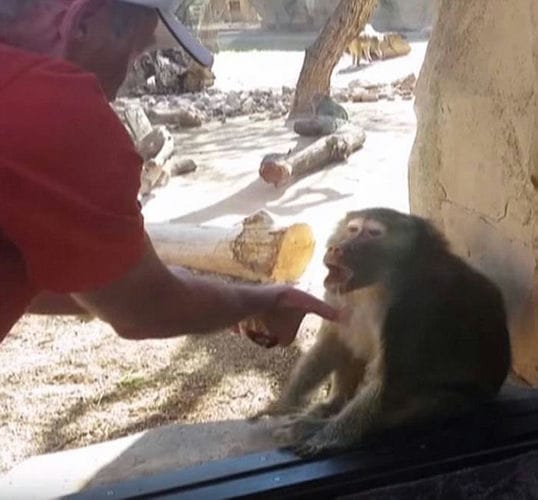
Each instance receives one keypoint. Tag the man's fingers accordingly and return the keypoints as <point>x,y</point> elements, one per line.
<point>311,304</point>
<point>262,339</point>
<point>325,310</point>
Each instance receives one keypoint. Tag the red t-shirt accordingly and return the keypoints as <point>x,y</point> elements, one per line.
<point>69,177</point>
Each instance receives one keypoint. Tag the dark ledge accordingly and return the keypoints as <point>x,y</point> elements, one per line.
<point>465,457</point>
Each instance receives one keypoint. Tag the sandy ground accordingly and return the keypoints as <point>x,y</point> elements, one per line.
<point>67,383</point>
<point>264,69</point>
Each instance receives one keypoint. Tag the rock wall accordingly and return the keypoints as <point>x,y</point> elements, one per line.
<point>284,15</point>
<point>404,15</point>
<point>390,15</point>
<point>474,164</point>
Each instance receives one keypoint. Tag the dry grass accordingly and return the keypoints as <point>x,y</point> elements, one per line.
<point>67,383</point>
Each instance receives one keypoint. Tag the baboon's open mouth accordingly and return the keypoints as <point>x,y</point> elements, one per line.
<point>337,277</point>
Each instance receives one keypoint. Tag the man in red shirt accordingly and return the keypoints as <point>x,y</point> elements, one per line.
<point>71,232</point>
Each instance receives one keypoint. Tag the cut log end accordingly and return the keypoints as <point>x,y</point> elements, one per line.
<point>279,169</point>
<point>295,253</point>
<point>274,171</point>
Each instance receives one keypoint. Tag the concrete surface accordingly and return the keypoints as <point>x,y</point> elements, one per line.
<point>161,449</point>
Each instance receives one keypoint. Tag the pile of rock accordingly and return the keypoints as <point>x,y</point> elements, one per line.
<point>157,147</point>
<point>166,71</point>
<point>152,119</point>
<point>193,109</point>
<point>215,104</point>
<point>358,91</point>
<point>196,108</point>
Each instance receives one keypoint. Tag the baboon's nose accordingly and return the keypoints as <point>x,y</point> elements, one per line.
<point>335,252</point>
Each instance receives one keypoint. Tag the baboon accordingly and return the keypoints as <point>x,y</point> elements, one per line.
<point>422,334</point>
<point>370,45</point>
<point>365,46</point>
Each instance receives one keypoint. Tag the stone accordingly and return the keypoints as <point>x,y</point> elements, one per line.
<point>280,108</point>
<point>474,164</point>
<point>406,84</point>
<point>180,166</point>
<point>193,109</point>
<point>317,126</point>
<point>228,110</point>
<point>248,106</point>
<point>340,96</point>
<point>363,95</point>
<point>353,84</point>
<point>233,100</point>
<point>182,116</point>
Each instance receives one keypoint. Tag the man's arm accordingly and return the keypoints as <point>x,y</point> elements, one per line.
<point>48,303</point>
<point>152,301</point>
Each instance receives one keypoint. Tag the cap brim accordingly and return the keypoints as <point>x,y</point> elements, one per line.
<point>193,47</point>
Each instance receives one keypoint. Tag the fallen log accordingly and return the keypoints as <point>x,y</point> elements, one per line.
<point>157,146</point>
<point>278,169</point>
<point>137,122</point>
<point>156,149</point>
<point>183,116</point>
<point>154,144</point>
<point>254,250</point>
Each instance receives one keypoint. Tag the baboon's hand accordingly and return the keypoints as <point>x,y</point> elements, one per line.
<point>283,308</point>
<point>274,409</point>
<point>297,428</point>
<point>324,441</point>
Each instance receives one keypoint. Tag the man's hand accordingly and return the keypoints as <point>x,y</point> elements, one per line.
<point>152,301</point>
<point>286,309</point>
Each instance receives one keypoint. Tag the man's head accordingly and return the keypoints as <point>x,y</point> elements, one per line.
<point>101,36</point>
<point>107,37</point>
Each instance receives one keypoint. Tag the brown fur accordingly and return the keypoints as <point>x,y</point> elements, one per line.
<point>421,335</point>
<point>370,45</point>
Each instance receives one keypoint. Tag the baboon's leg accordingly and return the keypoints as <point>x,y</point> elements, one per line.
<point>311,370</point>
<point>344,385</point>
<point>355,420</point>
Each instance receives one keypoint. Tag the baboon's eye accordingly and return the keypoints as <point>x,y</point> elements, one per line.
<point>374,229</point>
<point>355,226</point>
<point>374,232</point>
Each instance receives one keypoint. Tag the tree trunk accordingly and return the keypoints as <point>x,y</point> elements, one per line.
<point>321,57</point>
